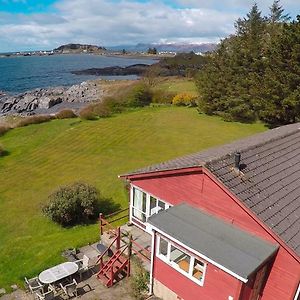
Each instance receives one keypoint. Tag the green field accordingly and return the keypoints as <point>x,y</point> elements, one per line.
<point>42,157</point>
<point>178,85</point>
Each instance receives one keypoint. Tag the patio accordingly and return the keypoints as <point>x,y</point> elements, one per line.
<point>89,289</point>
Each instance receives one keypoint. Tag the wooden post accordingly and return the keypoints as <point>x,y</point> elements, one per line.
<point>129,254</point>
<point>118,238</point>
<point>101,229</point>
<point>112,275</point>
<point>130,246</point>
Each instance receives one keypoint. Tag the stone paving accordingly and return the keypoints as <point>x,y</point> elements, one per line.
<point>89,289</point>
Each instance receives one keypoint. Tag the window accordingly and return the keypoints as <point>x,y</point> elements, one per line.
<point>139,205</point>
<point>179,258</point>
<point>198,268</point>
<point>185,263</point>
<point>145,205</point>
<point>163,247</point>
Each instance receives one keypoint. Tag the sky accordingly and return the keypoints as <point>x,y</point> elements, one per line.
<point>41,25</point>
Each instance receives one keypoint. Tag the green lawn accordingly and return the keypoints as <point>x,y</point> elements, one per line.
<point>178,85</point>
<point>42,157</point>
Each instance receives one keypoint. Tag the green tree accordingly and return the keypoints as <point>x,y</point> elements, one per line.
<point>277,13</point>
<point>255,72</point>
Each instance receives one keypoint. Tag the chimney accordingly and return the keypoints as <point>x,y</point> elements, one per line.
<point>237,160</point>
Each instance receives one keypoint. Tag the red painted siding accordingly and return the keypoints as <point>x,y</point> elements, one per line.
<point>199,190</point>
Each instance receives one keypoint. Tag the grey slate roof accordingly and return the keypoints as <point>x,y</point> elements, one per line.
<point>270,182</point>
<point>223,243</point>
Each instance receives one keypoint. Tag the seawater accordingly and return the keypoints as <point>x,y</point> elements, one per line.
<point>23,73</point>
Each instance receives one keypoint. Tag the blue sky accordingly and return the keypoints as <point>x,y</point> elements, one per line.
<point>31,24</point>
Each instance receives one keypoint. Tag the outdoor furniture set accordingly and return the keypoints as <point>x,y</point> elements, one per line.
<point>58,280</point>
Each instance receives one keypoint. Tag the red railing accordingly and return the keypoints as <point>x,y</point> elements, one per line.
<point>116,240</point>
<point>131,246</point>
<point>141,251</point>
<point>106,226</point>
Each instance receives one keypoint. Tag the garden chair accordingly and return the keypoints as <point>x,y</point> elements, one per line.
<point>33,284</point>
<point>70,289</point>
<point>83,265</point>
<point>49,295</point>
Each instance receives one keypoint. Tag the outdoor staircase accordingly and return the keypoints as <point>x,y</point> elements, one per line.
<point>120,246</point>
<point>115,269</point>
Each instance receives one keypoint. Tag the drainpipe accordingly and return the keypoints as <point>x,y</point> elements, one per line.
<point>152,261</point>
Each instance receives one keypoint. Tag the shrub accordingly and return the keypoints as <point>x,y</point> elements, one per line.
<point>34,120</point>
<point>2,151</point>
<point>139,282</point>
<point>139,96</point>
<point>65,114</point>
<point>114,104</point>
<point>73,204</point>
<point>88,113</point>
<point>184,99</point>
<point>101,109</point>
<point>4,129</point>
<point>161,96</point>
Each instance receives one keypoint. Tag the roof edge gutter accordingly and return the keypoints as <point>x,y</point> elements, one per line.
<point>223,268</point>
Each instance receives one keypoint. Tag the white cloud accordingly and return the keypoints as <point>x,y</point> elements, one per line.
<point>107,22</point>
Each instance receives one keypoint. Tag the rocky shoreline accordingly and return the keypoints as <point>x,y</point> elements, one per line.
<point>50,100</point>
<point>137,69</point>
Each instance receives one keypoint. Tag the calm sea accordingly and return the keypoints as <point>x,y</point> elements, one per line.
<point>19,74</point>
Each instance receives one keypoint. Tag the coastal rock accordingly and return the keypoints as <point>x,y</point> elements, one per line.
<point>42,100</point>
<point>137,69</point>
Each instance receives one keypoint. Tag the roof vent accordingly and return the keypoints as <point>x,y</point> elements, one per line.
<point>237,160</point>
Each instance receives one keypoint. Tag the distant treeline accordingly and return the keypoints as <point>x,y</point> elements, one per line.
<point>182,64</point>
<point>255,73</point>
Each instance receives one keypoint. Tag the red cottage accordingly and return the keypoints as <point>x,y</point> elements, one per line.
<point>224,222</point>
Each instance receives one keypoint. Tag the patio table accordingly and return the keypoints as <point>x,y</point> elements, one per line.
<point>58,272</point>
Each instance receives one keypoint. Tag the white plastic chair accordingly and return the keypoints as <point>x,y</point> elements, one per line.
<point>84,265</point>
<point>70,289</point>
<point>49,295</point>
<point>33,284</point>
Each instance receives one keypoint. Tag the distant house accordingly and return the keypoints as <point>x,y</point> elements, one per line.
<point>225,223</point>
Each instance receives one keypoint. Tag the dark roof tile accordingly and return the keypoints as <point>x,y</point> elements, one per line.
<point>270,180</point>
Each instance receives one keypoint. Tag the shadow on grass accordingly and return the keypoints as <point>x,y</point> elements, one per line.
<point>107,206</point>
<point>4,153</point>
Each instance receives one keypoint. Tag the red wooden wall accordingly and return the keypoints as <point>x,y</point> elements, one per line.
<point>200,190</point>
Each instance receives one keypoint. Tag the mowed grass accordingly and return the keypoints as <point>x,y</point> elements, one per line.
<point>43,157</point>
<point>178,85</point>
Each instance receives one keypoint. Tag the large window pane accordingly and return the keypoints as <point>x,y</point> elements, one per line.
<point>139,215</point>
<point>180,258</point>
<point>163,247</point>
<point>153,203</point>
<point>139,204</point>
<point>161,205</point>
<point>198,269</point>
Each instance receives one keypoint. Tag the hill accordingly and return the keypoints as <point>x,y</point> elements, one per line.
<point>169,47</point>
<point>79,48</point>
<point>42,157</point>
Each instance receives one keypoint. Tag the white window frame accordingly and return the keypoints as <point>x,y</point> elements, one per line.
<point>297,292</point>
<point>138,209</point>
<point>147,213</point>
<point>167,260</point>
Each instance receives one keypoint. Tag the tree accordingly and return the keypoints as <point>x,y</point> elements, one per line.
<point>277,13</point>
<point>152,51</point>
<point>254,74</point>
